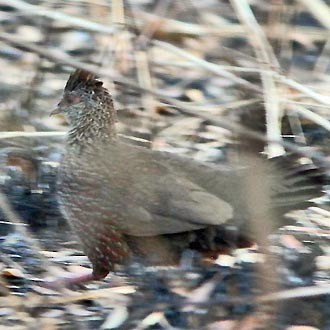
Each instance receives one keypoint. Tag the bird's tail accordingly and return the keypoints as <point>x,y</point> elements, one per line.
<point>272,188</point>
<point>296,183</point>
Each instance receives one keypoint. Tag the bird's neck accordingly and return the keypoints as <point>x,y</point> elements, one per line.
<point>91,129</point>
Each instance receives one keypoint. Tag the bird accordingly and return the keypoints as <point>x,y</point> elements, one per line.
<point>124,200</point>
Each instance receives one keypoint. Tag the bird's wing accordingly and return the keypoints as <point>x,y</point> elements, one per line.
<point>171,205</point>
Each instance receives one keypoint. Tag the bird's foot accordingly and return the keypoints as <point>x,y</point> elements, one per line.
<point>69,281</point>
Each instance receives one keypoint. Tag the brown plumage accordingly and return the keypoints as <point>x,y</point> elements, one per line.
<point>124,200</point>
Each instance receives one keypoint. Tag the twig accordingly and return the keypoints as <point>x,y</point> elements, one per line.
<point>121,40</point>
<point>10,135</point>
<point>266,60</point>
<point>18,134</point>
<point>310,115</point>
<point>144,78</point>
<point>303,89</point>
<point>214,68</point>
<point>115,294</point>
<point>177,27</point>
<point>28,9</point>
<point>308,291</point>
<point>141,54</point>
<point>151,27</point>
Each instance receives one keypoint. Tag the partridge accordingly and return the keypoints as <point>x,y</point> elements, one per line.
<point>124,200</point>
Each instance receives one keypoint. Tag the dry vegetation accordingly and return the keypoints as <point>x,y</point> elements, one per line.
<point>193,77</point>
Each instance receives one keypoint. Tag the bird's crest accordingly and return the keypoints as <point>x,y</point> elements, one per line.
<point>82,79</point>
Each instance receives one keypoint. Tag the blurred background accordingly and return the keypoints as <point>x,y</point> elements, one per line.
<point>190,77</point>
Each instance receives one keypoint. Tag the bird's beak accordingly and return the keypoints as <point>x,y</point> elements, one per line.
<point>56,111</point>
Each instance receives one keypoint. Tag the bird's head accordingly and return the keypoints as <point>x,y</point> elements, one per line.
<point>87,105</point>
